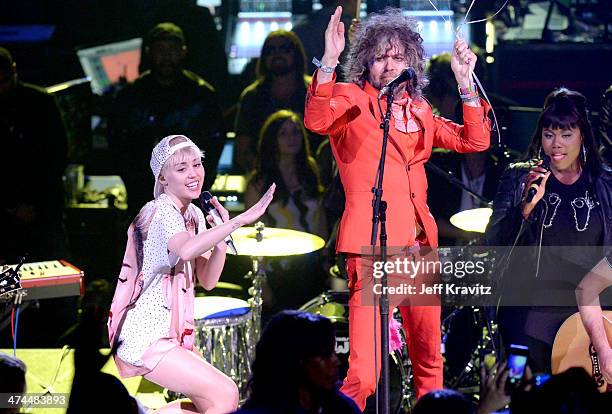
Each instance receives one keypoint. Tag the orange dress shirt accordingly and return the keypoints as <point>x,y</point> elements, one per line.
<point>351,118</point>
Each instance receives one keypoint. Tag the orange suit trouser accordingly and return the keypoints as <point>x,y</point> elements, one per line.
<point>422,328</point>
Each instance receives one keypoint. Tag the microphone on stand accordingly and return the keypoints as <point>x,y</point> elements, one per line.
<point>407,74</point>
<point>207,206</point>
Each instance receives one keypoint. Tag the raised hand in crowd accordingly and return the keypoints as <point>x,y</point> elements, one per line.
<point>493,393</point>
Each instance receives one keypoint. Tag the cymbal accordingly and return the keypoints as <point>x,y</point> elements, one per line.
<point>472,220</point>
<point>275,242</point>
<point>228,286</point>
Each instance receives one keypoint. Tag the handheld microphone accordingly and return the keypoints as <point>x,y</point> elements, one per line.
<point>205,198</point>
<point>533,188</point>
<point>407,74</point>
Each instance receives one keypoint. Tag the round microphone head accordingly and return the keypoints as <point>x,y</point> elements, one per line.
<point>205,198</point>
<point>206,195</point>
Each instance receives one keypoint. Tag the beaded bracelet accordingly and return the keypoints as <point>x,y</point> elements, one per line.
<point>469,94</point>
<point>470,90</point>
<point>471,98</point>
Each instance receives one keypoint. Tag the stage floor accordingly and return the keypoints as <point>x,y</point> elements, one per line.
<point>53,369</point>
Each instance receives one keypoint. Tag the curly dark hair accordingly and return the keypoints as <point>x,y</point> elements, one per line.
<point>381,30</point>
<point>268,171</point>
<point>565,108</point>
<point>299,55</point>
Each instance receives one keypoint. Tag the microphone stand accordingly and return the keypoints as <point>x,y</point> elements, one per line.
<point>454,181</point>
<point>379,208</point>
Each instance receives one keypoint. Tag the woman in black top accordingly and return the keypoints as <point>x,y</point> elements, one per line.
<point>566,226</point>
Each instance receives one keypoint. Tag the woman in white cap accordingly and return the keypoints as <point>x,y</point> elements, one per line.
<point>168,248</point>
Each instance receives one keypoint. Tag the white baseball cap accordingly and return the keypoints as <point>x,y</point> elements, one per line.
<point>162,151</point>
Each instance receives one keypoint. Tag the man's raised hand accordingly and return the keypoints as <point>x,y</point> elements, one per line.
<point>334,39</point>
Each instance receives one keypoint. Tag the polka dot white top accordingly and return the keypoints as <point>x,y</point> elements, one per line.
<point>149,320</point>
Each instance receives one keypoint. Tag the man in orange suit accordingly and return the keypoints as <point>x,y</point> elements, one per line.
<point>382,47</point>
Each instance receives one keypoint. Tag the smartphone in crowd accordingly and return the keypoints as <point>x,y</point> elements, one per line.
<point>517,362</point>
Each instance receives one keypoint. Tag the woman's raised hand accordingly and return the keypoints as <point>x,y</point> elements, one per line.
<point>334,39</point>
<point>220,209</point>
<point>259,208</point>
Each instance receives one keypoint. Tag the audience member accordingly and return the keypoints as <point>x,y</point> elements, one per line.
<point>300,347</point>
<point>281,84</point>
<point>570,392</point>
<point>206,55</point>
<point>163,101</point>
<point>13,375</point>
<point>493,395</point>
<point>287,161</point>
<point>493,392</point>
<point>98,392</point>
<point>444,401</point>
<point>34,148</point>
<point>87,338</point>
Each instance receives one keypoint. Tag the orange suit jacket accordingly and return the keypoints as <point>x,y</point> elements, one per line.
<point>351,118</point>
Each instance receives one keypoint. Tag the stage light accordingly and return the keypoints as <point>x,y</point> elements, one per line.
<point>259,32</point>
<point>490,37</point>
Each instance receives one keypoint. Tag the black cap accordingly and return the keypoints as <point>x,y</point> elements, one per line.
<point>166,31</point>
<point>6,60</point>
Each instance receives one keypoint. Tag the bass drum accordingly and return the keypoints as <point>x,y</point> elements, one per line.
<point>333,304</point>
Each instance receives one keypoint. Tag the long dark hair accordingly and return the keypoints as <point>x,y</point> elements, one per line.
<point>268,171</point>
<point>299,55</point>
<point>565,109</point>
<point>277,371</point>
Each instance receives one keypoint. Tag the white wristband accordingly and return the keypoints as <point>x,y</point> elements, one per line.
<point>322,68</point>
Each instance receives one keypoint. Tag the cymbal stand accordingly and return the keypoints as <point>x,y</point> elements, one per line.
<point>258,277</point>
<point>486,345</point>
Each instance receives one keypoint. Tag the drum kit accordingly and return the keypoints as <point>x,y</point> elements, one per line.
<point>469,333</point>
<point>228,328</point>
<point>475,219</point>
